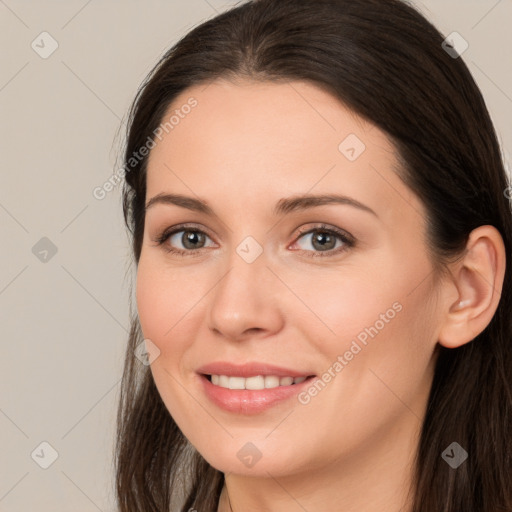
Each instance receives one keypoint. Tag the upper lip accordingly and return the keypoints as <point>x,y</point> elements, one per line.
<point>249,369</point>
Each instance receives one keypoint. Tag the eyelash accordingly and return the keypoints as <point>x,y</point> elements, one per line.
<point>347,240</point>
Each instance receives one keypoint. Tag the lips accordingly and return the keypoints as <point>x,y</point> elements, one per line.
<point>245,400</point>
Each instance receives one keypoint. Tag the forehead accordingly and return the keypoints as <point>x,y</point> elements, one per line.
<point>245,143</point>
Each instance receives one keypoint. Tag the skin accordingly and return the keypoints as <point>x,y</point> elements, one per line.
<point>241,149</point>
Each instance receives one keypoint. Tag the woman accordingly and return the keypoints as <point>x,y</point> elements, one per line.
<point>320,225</point>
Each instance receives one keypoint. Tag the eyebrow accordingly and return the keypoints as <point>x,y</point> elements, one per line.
<point>283,206</point>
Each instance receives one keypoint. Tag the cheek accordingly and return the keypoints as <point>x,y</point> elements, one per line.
<point>150,306</point>
<point>385,369</point>
<point>163,301</point>
<point>388,300</point>
<point>339,306</point>
<point>383,325</point>
<point>162,305</point>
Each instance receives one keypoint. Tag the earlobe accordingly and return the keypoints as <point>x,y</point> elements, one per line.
<point>478,280</point>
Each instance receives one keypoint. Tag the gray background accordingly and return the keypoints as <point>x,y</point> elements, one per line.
<point>64,319</point>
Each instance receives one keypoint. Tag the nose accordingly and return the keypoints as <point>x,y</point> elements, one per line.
<point>245,302</point>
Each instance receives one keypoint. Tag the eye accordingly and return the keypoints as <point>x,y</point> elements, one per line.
<point>191,239</point>
<point>325,239</point>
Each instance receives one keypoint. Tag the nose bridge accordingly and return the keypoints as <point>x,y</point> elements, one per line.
<point>247,263</point>
<point>244,284</point>
<point>243,298</point>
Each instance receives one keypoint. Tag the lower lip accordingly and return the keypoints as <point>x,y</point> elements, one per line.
<point>245,401</point>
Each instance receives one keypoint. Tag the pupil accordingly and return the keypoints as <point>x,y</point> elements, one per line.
<point>191,239</point>
<point>323,240</point>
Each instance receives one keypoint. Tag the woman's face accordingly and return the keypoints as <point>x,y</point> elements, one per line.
<point>339,290</point>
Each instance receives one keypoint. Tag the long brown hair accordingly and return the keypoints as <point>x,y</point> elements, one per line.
<point>386,62</point>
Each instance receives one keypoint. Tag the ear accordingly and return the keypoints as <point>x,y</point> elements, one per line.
<point>474,292</point>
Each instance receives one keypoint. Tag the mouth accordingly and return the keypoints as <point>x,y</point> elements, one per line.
<point>252,387</point>
<point>254,394</point>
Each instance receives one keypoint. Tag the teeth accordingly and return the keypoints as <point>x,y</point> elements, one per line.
<point>236,383</point>
<point>271,381</point>
<point>254,383</point>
